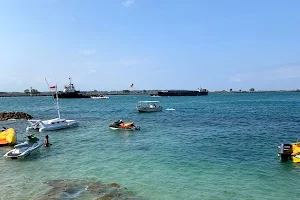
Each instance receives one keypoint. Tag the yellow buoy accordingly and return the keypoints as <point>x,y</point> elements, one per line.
<point>8,137</point>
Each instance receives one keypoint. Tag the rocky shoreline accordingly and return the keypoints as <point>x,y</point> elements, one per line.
<point>14,115</point>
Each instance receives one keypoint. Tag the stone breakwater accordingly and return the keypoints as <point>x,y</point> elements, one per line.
<point>14,115</point>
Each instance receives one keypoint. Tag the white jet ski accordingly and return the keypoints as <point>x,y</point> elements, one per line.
<point>24,149</point>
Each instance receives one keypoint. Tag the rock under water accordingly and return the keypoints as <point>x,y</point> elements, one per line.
<point>62,189</point>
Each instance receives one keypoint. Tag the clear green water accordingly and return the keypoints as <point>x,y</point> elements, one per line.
<point>220,146</point>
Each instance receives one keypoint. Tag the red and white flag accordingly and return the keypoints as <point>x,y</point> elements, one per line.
<point>52,87</point>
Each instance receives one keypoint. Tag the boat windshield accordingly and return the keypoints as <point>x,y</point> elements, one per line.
<point>151,104</point>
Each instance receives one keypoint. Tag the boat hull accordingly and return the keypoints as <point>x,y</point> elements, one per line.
<point>49,125</point>
<point>123,129</point>
<point>71,95</point>
<point>147,109</point>
<point>128,126</point>
<point>23,150</point>
<point>63,125</point>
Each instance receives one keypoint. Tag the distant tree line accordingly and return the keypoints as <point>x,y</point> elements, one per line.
<point>31,91</point>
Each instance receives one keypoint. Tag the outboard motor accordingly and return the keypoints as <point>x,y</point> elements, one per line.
<point>285,152</point>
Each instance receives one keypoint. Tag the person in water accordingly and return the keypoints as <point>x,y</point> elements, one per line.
<point>46,141</point>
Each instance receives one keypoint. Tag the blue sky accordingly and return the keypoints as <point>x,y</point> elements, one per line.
<point>155,44</point>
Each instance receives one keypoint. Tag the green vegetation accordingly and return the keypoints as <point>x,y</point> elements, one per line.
<point>34,91</point>
<point>251,90</point>
<point>31,91</point>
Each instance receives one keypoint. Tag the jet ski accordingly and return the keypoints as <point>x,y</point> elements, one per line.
<point>120,125</point>
<point>24,149</point>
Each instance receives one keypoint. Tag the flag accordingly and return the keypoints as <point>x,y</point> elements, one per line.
<point>52,87</point>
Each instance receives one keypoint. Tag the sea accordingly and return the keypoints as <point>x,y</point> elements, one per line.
<point>220,146</point>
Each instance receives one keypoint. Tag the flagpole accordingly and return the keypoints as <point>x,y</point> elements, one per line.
<point>57,102</point>
<point>48,85</point>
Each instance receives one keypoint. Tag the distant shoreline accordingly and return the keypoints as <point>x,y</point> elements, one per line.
<point>133,92</point>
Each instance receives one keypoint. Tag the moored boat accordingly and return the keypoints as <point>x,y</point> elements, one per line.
<point>24,149</point>
<point>149,106</point>
<point>70,92</point>
<point>289,151</point>
<point>120,125</point>
<point>199,92</point>
<point>51,124</point>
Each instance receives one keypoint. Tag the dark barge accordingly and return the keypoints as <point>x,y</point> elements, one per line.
<point>199,92</point>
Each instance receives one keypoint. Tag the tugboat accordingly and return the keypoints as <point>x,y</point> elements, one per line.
<point>289,152</point>
<point>70,92</point>
<point>198,92</point>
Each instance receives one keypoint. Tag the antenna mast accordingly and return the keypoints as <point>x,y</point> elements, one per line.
<point>56,97</point>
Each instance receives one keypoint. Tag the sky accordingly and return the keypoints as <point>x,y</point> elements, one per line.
<point>106,45</point>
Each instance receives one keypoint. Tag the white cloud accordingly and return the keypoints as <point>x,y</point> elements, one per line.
<point>87,51</point>
<point>92,71</point>
<point>128,3</point>
<point>287,72</point>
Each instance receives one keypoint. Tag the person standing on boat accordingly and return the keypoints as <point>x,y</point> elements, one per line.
<point>46,141</point>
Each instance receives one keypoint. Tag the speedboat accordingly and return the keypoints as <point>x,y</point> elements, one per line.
<point>148,106</point>
<point>100,97</point>
<point>51,124</point>
<point>7,136</point>
<point>289,152</point>
<point>24,149</point>
<point>120,125</point>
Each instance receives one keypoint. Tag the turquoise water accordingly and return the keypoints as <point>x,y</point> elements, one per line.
<point>220,146</point>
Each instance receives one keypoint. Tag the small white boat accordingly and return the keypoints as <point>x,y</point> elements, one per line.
<point>99,97</point>
<point>149,106</point>
<point>51,124</point>
<point>24,149</point>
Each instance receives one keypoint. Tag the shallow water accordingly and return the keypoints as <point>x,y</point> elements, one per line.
<point>220,146</point>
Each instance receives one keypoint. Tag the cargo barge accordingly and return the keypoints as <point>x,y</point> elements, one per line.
<point>199,92</point>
